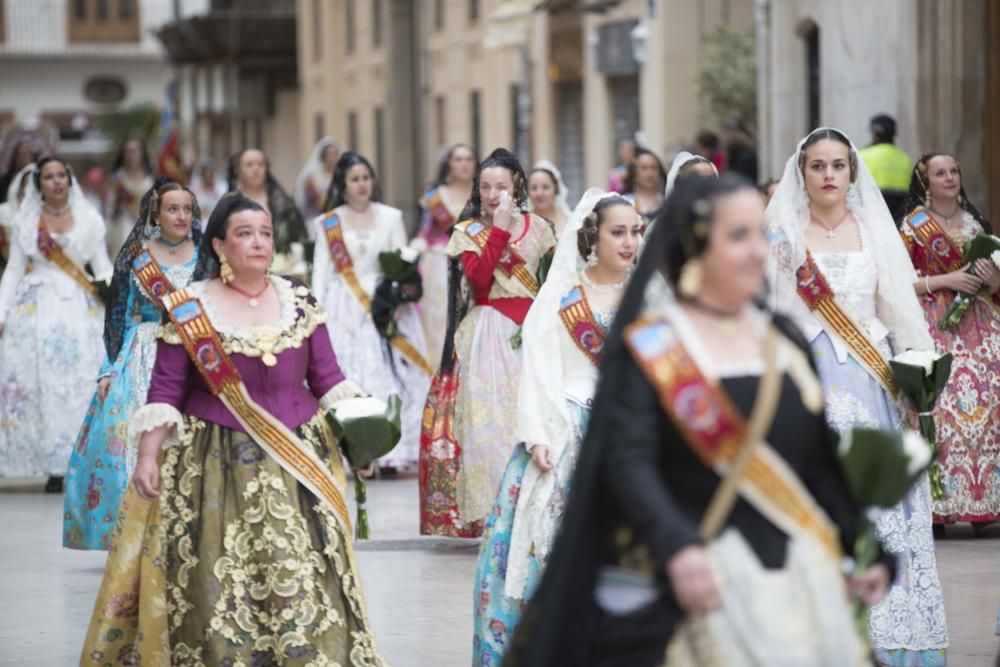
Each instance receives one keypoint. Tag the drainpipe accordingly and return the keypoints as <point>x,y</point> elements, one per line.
<point>762,14</point>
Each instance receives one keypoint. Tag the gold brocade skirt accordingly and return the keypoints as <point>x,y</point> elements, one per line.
<point>234,564</point>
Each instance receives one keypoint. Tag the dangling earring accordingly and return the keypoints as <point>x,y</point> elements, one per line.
<point>592,257</point>
<point>691,278</point>
<point>225,271</point>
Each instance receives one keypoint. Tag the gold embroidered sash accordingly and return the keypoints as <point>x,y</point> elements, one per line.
<point>511,263</point>
<point>589,336</point>
<point>940,250</point>
<point>818,296</point>
<point>204,347</point>
<point>149,274</point>
<point>439,212</point>
<point>714,429</point>
<point>53,252</point>
<point>342,261</point>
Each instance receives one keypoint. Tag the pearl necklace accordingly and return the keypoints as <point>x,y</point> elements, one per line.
<point>603,287</point>
<point>55,212</point>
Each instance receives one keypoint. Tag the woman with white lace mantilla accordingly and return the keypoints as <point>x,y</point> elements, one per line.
<point>839,268</point>
<point>563,336</point>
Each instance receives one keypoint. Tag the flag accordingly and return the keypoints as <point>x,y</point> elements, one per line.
<point>168,150</point>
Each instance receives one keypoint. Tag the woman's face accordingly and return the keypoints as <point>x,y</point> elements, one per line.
<point>253,169</point>
<point>208,176</point>
<point>54,182</point>
<point>944,181</point>
<point>647,173</point>
<point>132,154</point>
<point>827,172</point>
<point>542,190</point>
<point>176,214</point>
<point>618,237</point>
<point>492,182</point>
<point>462,164</point>
<point>735,258</point>
<point>249,244</point>
<point>330,155</point>
<point>359,184</point>
<point>626,151</point>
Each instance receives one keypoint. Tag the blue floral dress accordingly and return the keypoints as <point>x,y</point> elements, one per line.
<point>101,464</point>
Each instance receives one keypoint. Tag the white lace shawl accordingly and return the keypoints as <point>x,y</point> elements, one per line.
<point>787,218</point>
<point>562,197</point>
<point>680,160</point>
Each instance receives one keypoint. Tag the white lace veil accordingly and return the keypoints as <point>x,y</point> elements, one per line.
<point>787,218</point>
<point>86,219</point>
<point>9,208</point>
<point>562,196</point>
<point>680,160</point>
<point>313,166</point>
<point>543,416</point>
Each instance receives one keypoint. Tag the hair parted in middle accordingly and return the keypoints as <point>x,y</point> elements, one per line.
<point>821,134</point>
<point>336,194</point>
<point>501,157</point>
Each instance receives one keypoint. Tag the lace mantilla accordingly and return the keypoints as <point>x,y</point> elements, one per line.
<point>300,315</point>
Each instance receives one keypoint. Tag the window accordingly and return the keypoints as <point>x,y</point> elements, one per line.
<point>475,121</point>
<point>352,130</point>
<point>377,23</point>
<point>349,25</point>
<point>103,21</point>
<point>473,11</point>
<point>440,120</point>
<point>319,126</point>
<point>810,34</point>
<point>317,30</point>
<point>438,14</point>
<point>380,167</point>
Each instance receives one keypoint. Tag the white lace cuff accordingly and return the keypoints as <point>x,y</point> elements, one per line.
<point>152,415</point>
<point>346,389</point>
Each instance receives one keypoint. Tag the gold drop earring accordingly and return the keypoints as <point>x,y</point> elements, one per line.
<point>225,270</point>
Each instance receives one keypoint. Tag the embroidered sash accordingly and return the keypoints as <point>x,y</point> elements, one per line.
<point>439,213</point>
<point>204,347</point>
<point>511,263</point>
<point>589,336</point>
<point>818,296</point>
<point>53,252</point>
<point>715,431</point>
<point>334,233</point>
<point>941,251</point>
<point>149,274</point>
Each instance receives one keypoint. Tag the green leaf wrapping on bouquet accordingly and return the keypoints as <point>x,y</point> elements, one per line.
<point>880,467</point>
<point>983,246</point>
<point>399,265</point>
<point>364,435</point>
<point>544,264</point>
<point>515,338</point>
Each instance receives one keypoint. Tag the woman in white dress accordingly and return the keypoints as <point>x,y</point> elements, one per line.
<point>839,268</point>
<point>51,324</point>
<point>346,274</point>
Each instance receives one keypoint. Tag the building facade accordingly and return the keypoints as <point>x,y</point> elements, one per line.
<point>932,64</point>
<point>64,63</point>
<point>559,80</point>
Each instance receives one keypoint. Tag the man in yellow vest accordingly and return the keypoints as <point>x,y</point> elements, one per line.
<point>890,166</point>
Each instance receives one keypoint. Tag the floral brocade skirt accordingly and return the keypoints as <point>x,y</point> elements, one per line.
<point>234,564</point>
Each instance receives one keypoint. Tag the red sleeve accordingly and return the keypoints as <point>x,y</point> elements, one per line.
<point>171,375</point>
<point>479,268</point>
<point>324,372</point>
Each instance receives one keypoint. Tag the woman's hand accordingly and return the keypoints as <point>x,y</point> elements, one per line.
<point>988,273</point>
<point>367,472</point>
<point>147,477</point>
<point>961,281</point>
<point>541,456</point>
<point>103,386</point>
<point>693,580</point>
<point>871,585</point>
<point>503,216</point>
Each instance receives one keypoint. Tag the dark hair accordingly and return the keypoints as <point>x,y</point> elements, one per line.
<point>822,134</point>
<point>586,236</point>
<point>633,168</point>
<point>687,168</point>
<point>8,169</point>
<point>688,217</point>
<point>883,126</point>
<point>233,169</point>
<point>542,170</point>
<point>920,181</point>
<point>444,169</point>
<point>120,157</point>
<point>708,139</point>
<point>217,227</point>
<point>501,157</point>
<point>336,194</point>
<point>37,175</point>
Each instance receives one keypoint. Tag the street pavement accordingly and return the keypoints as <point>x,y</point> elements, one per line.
<point>418,589</point>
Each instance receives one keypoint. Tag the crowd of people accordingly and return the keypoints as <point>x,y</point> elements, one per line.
<point>635,403</point>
